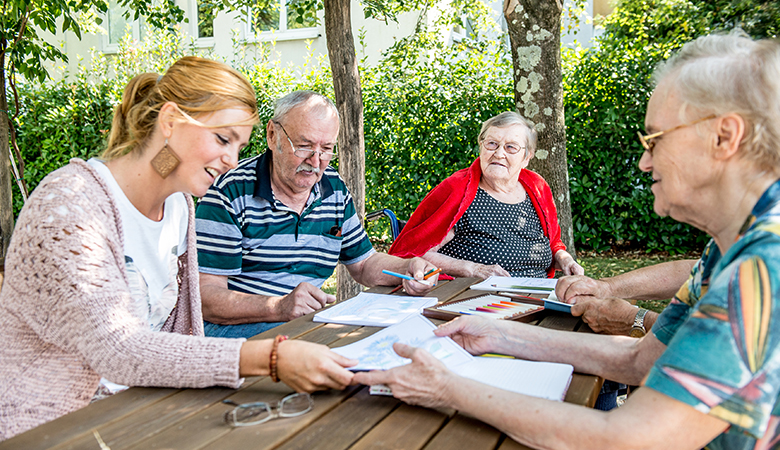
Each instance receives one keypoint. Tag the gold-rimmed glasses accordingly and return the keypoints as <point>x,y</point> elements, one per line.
<point>305,153</point>
<point>647,140</point>
<point>247,414</point>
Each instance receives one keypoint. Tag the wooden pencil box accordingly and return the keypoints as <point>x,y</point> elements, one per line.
<point>491,306</point>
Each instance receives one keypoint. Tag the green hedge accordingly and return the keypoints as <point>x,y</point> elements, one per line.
<point>424,104</point>
<point>606,90</point>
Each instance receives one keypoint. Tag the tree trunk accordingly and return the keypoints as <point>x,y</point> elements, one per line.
<point>6,197</point>
<point>535,37</point>
<point>349,101</point>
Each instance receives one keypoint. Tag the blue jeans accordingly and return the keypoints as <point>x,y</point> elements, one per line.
<point>607,398</point>
<point>244,330</point>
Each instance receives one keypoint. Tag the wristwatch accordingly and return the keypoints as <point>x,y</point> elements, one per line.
<point>638,329</point>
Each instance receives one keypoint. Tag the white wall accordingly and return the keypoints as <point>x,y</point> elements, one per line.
<point>290,47</point>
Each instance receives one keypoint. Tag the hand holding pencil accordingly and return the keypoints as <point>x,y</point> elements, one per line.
<point>420,277</point>
<point>427,275</point>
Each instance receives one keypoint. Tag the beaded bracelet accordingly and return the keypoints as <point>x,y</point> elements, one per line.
<point>274,357</point>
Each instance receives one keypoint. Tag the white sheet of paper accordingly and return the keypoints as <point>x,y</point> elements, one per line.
<point>376,351</point>
<point>511,284</point>
<point>537,379</point>
<point>376,310</point>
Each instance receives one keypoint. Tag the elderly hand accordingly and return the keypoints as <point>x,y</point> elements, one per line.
<point>607,316</point>
<point>309,367</point>
<point>565,262</point>
<point>483,271</point>
<point>570,289</point>
<point>477,335</point>
<point>418,267</point>
<point>422,382</point>
<point>305,298</point>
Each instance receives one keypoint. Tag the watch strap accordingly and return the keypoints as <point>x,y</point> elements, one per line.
<point>639,319</point>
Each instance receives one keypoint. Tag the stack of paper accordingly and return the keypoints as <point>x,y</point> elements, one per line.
<point>518,284</point>
<point>538,379</point>
<point>376,310</point>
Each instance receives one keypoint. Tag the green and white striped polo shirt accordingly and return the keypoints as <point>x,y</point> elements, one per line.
<point>266,248</point>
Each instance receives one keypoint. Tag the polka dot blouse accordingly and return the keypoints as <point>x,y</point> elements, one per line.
<point>510,235</point>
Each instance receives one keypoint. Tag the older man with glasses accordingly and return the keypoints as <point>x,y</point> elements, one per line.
<point>271,231</point>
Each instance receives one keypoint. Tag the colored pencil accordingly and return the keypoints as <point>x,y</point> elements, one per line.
<point>431,273</point>
<point>405,277</point>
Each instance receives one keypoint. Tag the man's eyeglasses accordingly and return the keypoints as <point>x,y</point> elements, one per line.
<point>305,153</point>
<point>247,414</point>
<point>509,147</point>
<point>647,140</point>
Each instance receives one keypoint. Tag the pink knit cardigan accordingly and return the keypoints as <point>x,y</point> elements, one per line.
<point>65,317</point>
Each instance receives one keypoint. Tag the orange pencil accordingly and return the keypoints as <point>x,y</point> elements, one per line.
<point>431,273</point>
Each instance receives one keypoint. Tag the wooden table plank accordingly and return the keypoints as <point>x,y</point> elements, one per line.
<point>83,421</point>
<point>511,444</point>
<point>448,290</point>
<point>463,432</point>
<point>345,424</point>
<point>406,428</point>
<point>152,420</point>
<point>208,429</point>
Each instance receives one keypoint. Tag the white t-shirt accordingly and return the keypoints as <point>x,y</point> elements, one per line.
<point>151,251</point>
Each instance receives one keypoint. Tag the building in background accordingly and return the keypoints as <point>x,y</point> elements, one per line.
<point>292,36</point>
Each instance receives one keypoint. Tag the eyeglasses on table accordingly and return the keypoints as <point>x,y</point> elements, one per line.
<point>247,414</point>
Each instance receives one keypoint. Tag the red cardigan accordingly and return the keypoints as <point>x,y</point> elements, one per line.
<point>441,209</point>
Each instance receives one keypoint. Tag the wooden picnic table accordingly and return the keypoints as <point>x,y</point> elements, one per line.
<point>164,418</point>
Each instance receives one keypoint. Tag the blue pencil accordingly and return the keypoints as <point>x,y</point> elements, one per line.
<point>405,277</point>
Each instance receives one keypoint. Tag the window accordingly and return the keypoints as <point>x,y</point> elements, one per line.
<point>466,30</point>
<point>290,19</point>
<point>117,26</point>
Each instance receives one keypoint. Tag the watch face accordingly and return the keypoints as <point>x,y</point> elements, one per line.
<point>636,332</point>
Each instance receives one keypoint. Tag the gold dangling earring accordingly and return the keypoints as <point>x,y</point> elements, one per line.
<point>165,161</point>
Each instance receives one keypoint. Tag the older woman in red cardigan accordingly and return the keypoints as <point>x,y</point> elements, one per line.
<point>493,218</point>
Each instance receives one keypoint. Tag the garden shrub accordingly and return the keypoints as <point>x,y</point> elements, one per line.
<point>606,90</point>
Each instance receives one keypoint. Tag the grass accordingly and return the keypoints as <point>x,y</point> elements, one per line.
<point>596,265</point>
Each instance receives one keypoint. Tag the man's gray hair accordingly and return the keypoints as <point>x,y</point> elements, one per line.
<point>293,99</point>
<point>731,73</point>
<point>507,119</point>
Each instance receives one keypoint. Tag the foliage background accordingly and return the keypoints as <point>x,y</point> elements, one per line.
<point>424,104</point>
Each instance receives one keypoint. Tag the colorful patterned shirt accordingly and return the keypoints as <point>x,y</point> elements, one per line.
<point>722,330</point>
<point>266,248</point>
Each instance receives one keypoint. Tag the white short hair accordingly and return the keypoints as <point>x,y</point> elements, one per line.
<point>731,73</point>
<point>293,99</point>
<point>509,118</point>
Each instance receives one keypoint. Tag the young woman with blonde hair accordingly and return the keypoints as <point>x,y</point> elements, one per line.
<point>101,276</point>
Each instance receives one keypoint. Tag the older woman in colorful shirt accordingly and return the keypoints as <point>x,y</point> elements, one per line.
<point>710,369</point>
<point>493,218</point>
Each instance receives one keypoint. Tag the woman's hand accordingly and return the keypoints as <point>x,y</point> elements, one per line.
<point>483,271</point>
<point>477,335</point>
<point>423,382</point>
<point>565,262</point>
<point>308,367</point>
